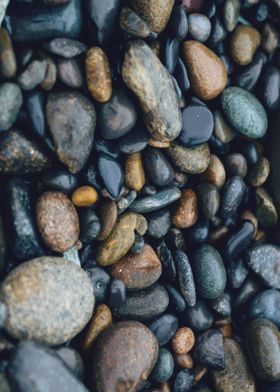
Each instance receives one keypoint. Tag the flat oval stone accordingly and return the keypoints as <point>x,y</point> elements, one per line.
<point>156,13</point>
<point>164,328</point>
<point>20,155</point>
<point>266,305</point>
<point>33,74</point>
<point>244,42</point>
<point>199,27</point>
<point>34,368</point>
<point>250,74</point>
<point>145,75</point>
<point>124,356</point>
<point>244,112</point>
<point>111,173</point>
<point>57,221</point>
<point>36,308</point>
<point>59,180</point>
<point>65,47</point>
<point>157,201</point>
<point>198,125</point>
<point>184,381</point>
<point>138,271</point>
<point>207,71</point>
<point>262,341</point>
<point>71,118</point>
<point>145,304</point>
<point>70,72</point>
<point>10,104</point>
<point>134,172</point>
<point>209,199</point>
<point>209,272</point>
<point>192,160</point>
<point>237,374</point>
<point>215,173</point>
<point>264,261</point>
<point>157,167</point>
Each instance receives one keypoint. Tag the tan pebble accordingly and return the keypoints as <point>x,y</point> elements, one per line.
<point>207,71</point>
<point>244,43</point>
<point>200,372</point>
<point>108,213</point>
<point>215,173</point>
<point>159,144</point>
<point>226,331</point>
<point>185,211</point>
<point>98,73</point>
<point>165,387</point>
<point>141,224</point>
<point>8,64</point>
<point>183,340</point>
<point>84,196</point>
<point>101,319</point>
<point>260,236</point>
<point>134,172</point>
<point>248,215</point>
<point>184,361</point>
<point>259,172</point>
<point>50,76</point>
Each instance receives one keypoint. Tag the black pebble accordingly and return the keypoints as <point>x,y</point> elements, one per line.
<point>117,293</point>
<point>198,317</point>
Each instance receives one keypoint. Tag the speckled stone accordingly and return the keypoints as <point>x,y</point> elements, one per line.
<point>193,160</point>
<point>230,14</point>
<point>244,42</point>
<point>164,366</point>
<point>8,63</point>
<point>262,341</point>
<point>118,243</point>
<point>145,75</point>
<point>10,104</point>
<point>157,201</point>
<point>65,47</point>
<point>36,308</point>
<point>237,375</point>
<point>124,357</point>
<point>138,271</point>
<point>21,155</point>
<point>185,277</point>
<point>264,260</point>
<point>134,176</point>
<point>207,71</point>
<point>244,112</point>
<point>156,13</point>
<point>185,211</point>
<point>215,173</point>
<point>98,74</point>
<point>183,341</point>
<point>57,221</point>
<point>132,24</point>
<point>100,321</point>
<point>108,214</point>
<point>266,212</point>
<point>71,118</point>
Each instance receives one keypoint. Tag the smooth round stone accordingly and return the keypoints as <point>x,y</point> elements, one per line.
<point>198,233</point>
<point>117,293</point>
<point>207,71</point>
<point>222,130</point>
<point>111,173</point>
<point>262,341</point>
<point>271,87</point>
<point>35,368</point>
<point>84,196</point>
<point>178,23</point>
<point>237,374</point>
<point>89,225</point>
<point>164,367</point>
<point>170,53</point>
<point>209,350</point>
<point>199,27</point>
<point>37,310</point>
<point>230,14</point>
<point>138,271</point>
<point>156,13</point>
<point>185,277</point>
<point>157,167</point>
<point>249,75</point>
<point>215,173</point>
<point>159,223</point>
<point>57,221</point>
<point>209,272</point>
<point>157,201</point>
<point>135,141</point>
<point>33,75</point>
<point>71,118</point>
<point>145,304</point>
<point>65,47</point>
<point>164,328</point>
<point>10,104</point>
<point>132,24</point>
<point>185,211</point>
<point>8,63</point>
<point>184,381</point>
<point>209,199</point>
<point>266,305</point>
<point>198,317</point>
<point>263,260</point>
<point>145,75</point>
<point>244,112</point>
<point>45,22</point>
<point>100,281</point>
<point>134,172</point>
<point>72,359</point>
<point>236,165</point>
<point>244,42</point>
<point>59,180</point>
<point>198,125</point>
<point>124,356</point>
<point>177,301</point>
<point>233,194</point>
<point>192,160</point>
<point>237,272</point>
<point>70,72</point>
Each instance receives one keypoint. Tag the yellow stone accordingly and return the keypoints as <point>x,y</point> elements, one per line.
<point>84,196</point>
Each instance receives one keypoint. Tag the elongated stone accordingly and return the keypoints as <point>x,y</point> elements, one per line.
<point>157,201</point>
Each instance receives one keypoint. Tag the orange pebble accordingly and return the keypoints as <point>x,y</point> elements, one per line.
<point>84,196</point>
<point>183,341</point>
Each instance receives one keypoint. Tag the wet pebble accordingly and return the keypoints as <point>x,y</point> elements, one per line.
<point>108,215</point>
<point>112,174</point>
<point>250,74</point>
<point>209,350</point>
<point>179,22</point>
<point>236,165</point>
<point>271,87</point>
<point>266,212</point>
<point>164,328</point>
<point>132,24</point>
<point>70,72</point>
<point>185,210</point>
<point>157,201</point>
<point>157,167</point>
<point>233,194</point>
<point>177,301</point>
<point>89,225</point>
<point>134,176</point>
<point>192,160</point>
<point>183,341</point>
<point>259,172</point>
<point>84,196</point>
<point>237,272</point>
<point>199,27</point>
<point>215,172</point>
<point>222,130</point>
<point>10,104</point>
<point>170,53</point>
<point>230,14</point>
<point>184,381</point>
<point>198,317</point>
<point>135,141</point>
<point>117,293</point>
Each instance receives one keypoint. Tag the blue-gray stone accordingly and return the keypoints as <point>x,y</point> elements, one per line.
<point>266,305</point>
<point>157,201</point>
<point>10,104</point>
<point>164,328</point>
<point>244,112</point>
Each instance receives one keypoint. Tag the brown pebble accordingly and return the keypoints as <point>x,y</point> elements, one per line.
<point>207,71</point>
<point>98,73</point>
<point>159,144</point>
<point>138,271</point>
<point>244,43</point>
<point>184,361</point>
<point>101,319</point>
<point>57,221</point>
<point>183,340</point>
<point>108,213</point>
<point>134,172</point>
<point>226,331</point>
<point>8,64</point>
<point>200,372</point>
<point>50,75</point>
<point>259,172</point>
<point>84,196</point>
<point>218,234</point>
<point>165,387</point>
<point>185,211</point>
<point>215,173</point>
<point>191,160</point>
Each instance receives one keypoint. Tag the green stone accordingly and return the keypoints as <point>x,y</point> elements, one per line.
<point>164,366</point>
<point>244,112</point>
